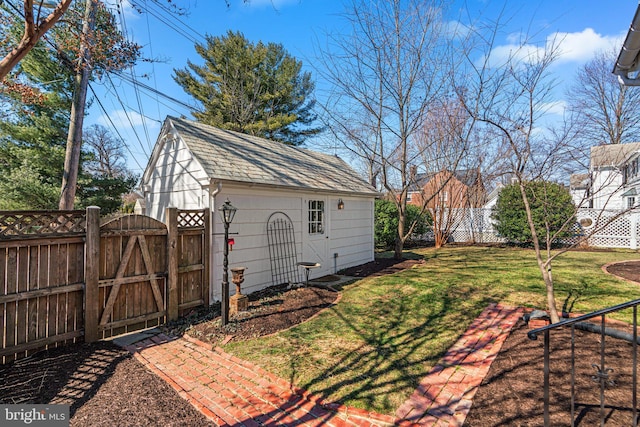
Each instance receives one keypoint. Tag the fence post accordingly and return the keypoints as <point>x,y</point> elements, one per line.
<point>206,257</point>
<point>633,224</point>
<point>91,274</point>
<point>172,263</point>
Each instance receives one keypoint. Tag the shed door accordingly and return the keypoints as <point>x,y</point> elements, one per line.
<point>315,234</point>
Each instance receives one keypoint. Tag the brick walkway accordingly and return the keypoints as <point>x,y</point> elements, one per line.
<point>234,392</point>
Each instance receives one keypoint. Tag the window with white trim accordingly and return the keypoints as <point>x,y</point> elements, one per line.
<point>631,202</point>
<point>316,217</point>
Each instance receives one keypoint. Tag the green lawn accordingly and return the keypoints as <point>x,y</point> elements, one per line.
<point>371,350</point>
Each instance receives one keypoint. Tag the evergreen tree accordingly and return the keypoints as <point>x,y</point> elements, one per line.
<point>257,89</point>
<point>35,104</point>
<point>33,132</point>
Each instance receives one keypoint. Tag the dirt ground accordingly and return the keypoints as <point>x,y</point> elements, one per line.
<point>105,386</point>
<point>629,270</point>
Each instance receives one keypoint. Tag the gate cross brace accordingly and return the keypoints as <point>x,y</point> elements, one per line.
<point>126,256</point>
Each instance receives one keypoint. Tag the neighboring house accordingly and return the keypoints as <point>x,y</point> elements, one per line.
<point>445,189</point>
<point>613,181</point>
<point>194,166</point>
<point>579,188</point>
<point>134,201</point>
<point>492,197</point>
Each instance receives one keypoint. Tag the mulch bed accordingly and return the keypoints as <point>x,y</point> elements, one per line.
<point>105,386</point>
<point>270,311</point>
<point>630,270</point>
<point>512,392</point>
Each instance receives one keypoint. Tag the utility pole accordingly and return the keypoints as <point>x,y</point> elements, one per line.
<point>74,136</point>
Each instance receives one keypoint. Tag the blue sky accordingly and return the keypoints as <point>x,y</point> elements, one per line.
<point>584,26</point>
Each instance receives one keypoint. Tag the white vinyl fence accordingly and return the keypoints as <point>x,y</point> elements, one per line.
<point>607,229</point>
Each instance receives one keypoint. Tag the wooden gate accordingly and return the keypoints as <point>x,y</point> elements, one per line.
<point>64,276</point>
<point>132,275</point>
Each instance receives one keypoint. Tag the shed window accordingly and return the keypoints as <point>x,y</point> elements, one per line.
<point>316,216</point>
<point>631,202</point>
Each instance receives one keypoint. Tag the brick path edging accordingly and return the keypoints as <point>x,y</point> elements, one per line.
<point>443,397</point>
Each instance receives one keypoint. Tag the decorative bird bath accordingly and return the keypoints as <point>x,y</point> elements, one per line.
<point>238,302</point>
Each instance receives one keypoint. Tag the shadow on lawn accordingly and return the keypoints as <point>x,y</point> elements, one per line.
<point>388,362</point>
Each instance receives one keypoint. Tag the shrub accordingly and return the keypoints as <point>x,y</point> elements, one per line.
<point>386,222</point>
<point>551,204</point>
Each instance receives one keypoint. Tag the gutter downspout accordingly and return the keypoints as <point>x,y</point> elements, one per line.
<point>212,203</point>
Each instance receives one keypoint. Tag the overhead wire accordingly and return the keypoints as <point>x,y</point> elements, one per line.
<point>153,67</point>
<point>66,62</point>
<point>136,92</point>
<point>176,24</point>
<point>193,36</point>
<point>114,127</point>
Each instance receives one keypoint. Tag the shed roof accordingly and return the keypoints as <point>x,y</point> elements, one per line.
<point>612,154</point>
<point>232,156</point>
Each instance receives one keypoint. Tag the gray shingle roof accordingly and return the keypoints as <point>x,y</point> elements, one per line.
<point>233,156</point>
<point>612,154</point>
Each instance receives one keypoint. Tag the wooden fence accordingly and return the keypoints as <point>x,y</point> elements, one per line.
<point>64,276</point>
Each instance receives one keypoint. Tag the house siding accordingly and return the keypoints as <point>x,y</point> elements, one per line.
<point>176,181</point>
<point>607,189</point>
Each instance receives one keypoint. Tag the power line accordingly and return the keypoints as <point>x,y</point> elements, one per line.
<point>194,36</point>
<point>123,23</point>
<point>115,128</point>
<point>155,91</point>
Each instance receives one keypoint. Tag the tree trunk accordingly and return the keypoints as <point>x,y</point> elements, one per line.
<point>397,250</point>
<point>548,283</point>
<point>74,136</point>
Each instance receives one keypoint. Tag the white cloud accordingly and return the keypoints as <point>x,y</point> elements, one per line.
<point>121,118</point>
<point>557,107</point>
<point>501,55</point>
<point>456,29</point>
<point>572,47</point>
<point>581,46</point>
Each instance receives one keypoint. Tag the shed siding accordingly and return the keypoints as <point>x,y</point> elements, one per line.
<point>251,247</point>
<point>351,238</point>
<point>177,178</point>
<point>175,181</point>
<point>351,232</point>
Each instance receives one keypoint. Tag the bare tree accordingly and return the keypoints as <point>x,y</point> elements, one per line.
<point>510,95</point>
<point>452,162</point>
<point>605,111</point>
<point>386,73</point>
<point>107,153</point>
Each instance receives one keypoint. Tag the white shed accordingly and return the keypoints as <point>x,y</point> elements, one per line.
<point>328,207</point>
